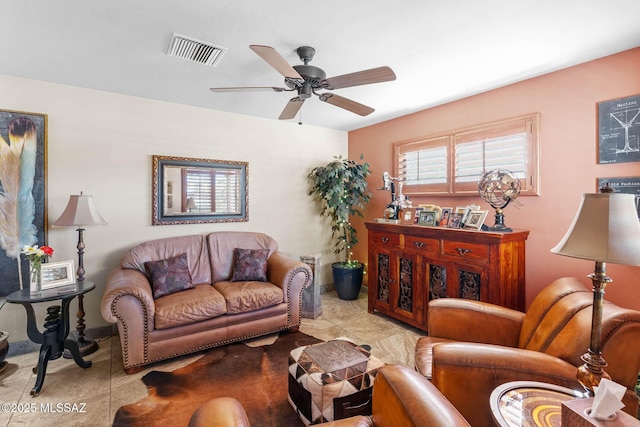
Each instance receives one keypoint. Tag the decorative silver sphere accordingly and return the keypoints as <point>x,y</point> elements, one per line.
<point>499,187</point>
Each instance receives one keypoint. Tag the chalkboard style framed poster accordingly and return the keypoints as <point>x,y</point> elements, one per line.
<point>627,184</point>
<point>619,130</point>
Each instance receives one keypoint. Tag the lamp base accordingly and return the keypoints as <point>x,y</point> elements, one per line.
<point>85,346</point>
<point>592,372</point>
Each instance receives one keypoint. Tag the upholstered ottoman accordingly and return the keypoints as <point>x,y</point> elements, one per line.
<point>331,381</point>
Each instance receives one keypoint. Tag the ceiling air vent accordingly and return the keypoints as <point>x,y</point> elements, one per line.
<point>195,50</point>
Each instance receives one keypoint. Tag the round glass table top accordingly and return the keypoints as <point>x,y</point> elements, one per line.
<point>530,403</point>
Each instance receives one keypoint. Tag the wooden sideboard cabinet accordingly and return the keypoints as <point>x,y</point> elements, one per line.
<point>409,265</point>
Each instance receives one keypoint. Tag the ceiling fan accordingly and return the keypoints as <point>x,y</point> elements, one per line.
<point>307,80</point>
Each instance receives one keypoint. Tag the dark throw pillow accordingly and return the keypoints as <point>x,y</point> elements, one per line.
<point>250,265</point>
<point>169,275</point>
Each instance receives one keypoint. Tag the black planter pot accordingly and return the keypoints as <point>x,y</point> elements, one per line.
<point>347,280</point>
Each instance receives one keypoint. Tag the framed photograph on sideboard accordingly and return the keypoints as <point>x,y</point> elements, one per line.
<point>454,222</point>
<point>427,218</point>
<point>408,216</point>
<point>475,220</point>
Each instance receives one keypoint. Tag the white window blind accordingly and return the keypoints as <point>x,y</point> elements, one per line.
<point>423,165</point>
<point>214,190</point>
<point>476,157</point>
<point>227,189</point>
<point>198,186</point>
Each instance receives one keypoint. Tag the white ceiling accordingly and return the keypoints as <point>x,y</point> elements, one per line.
<point>440,50</point>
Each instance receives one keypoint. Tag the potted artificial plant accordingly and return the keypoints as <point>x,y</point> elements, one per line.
<point>340,188</point>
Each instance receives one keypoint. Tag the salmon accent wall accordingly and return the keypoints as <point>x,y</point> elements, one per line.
<point>567,101</point>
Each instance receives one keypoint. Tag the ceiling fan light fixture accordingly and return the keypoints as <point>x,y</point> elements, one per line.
<point>306,79</point>
<point>195,50</point>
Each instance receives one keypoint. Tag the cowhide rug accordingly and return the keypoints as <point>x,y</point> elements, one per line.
<point>256,376</point>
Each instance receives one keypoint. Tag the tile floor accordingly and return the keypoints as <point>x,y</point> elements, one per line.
<point>72,396</point>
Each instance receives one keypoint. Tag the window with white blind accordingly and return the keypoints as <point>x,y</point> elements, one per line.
<point>227,189</point>
<point>423,166</point>
<point>198,186</point>
<point>212,190</point>
<point>453,163</point>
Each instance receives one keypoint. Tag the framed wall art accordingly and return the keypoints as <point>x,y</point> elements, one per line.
<point>628,185</point>
<point>619,130</point>
<point>23,179</point>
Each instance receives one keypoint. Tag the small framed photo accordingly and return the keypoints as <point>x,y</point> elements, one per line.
<point>463,211</point>
<point>55,274</point>
<point>475,220</point>
<point>427,218</point>
<point>454,222</point>
<point>445,217</point>
<point>408,216</point>
<point>417,215</point>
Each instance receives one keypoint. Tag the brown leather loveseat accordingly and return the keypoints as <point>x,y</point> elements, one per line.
<point>221,301</point>
<point>473,347</point>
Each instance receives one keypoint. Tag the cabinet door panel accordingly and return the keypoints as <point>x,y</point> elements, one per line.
<point>409,299</point>
<point>437,280</point>
<point>384,277</point>
<point>471,282</point>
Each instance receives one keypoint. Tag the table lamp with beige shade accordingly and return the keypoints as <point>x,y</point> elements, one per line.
<point>606,229</point>
<point>81,211</point>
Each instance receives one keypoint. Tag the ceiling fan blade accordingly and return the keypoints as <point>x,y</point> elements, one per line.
<point>276,60</point>
<point>347,104</point>
<point>249,89</point>
<point>365,77</point>
<point>291,109</point>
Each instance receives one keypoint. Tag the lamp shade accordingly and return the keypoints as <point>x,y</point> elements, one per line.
<point>605,229</point>
<point>80,211</point>
<point>191,204</point>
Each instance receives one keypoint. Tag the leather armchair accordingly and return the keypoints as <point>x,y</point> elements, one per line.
<point>220,412</point>
<point>404,398</point>
<point>473,347</point>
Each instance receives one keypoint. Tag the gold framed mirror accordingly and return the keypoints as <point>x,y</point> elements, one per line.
<point>195,191</point>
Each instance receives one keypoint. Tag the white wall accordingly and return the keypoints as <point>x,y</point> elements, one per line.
<point>101,143</point>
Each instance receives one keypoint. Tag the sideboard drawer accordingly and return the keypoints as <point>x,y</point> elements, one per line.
<point>466,250</point>
<point>387,239</point>
<point>422,244</point>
